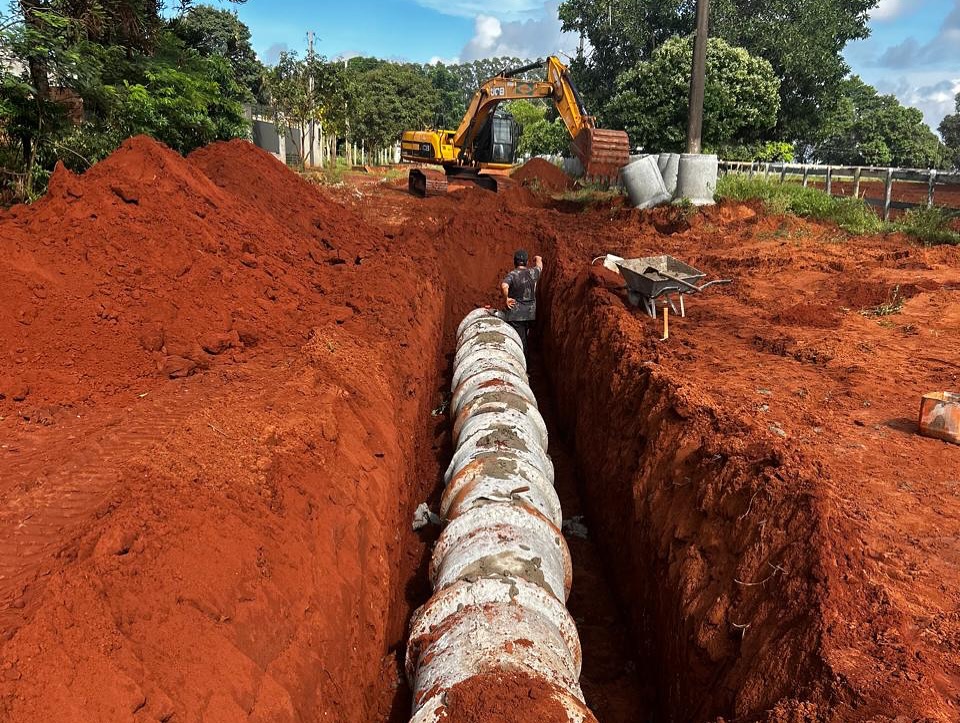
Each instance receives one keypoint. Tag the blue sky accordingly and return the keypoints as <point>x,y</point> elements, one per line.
<point>913,52</point>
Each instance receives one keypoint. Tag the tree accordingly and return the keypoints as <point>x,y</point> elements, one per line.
<point>740,100</point>
<point>216,32</point>
<point>802,39</point>
<point>876,130</point>
<point>950,132</point>
<point>538,135</point>
<point>394,98</point>
<point>451,101</point>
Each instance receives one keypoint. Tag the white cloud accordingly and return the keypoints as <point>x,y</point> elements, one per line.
<point>890,9</point>
<point>935,99</point>
<point>509,9</point>
<point>533,37</point>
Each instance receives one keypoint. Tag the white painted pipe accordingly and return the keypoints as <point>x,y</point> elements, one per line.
<point>503,540</point>
<point>485,359</point>
<point>501,568</point>
<point>497,439</point>
<point>489,380</point>
<point>497,402</point>
<point>500,477</point>
<point>474,628</point>
<point>485,324</point>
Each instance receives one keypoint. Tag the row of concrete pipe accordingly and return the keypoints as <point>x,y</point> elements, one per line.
<point>501,570</point>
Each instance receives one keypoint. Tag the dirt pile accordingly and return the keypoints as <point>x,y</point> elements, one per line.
<point>544,174</point>
<point>214,386</point>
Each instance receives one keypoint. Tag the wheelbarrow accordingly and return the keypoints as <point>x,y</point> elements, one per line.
<point>651,277</point>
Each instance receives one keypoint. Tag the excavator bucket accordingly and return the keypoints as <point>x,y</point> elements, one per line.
<point>602,152</point>
<point>425,182</point>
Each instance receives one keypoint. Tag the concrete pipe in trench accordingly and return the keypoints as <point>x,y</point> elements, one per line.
<point>501,570</point>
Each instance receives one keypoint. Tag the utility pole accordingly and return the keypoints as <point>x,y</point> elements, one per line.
<point>310,83</point>
<point>698,77</point>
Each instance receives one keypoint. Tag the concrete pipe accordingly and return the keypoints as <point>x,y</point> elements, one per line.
<point>483,360</point>
<point>669,171</point>
<point>500,477</point>
<point>501,568</point>
<point>497,401</point>
<point>484,324</point>
<point>489,380</point>
<point>473,628</point>
<point>529,422</point>
<point>503,540</point>
<point>662,159</point>
<point>697,179</point>
<point>492,342</point>
<point>644,184</point>
<point>476,315</point>
<point>502,438</point>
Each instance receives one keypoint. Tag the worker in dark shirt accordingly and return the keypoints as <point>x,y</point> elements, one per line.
<point>519,289</point>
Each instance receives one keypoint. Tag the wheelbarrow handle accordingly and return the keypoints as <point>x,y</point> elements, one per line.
<point>665,275</point>
<point>711,283</point>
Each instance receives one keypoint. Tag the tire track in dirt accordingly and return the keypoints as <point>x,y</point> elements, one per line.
<point>46,503</point>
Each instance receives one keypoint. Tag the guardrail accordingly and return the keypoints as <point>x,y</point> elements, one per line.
<point>932,179</point>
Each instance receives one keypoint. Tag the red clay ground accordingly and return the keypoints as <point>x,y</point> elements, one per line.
<point>784,539</point>
<point>216,423</point>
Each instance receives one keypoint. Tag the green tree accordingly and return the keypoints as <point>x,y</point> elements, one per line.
<point>876,130</point>
<point>392,98</point>
<point>950,132</point>
<point>740,100</point>
<point>451,102</point>
<point>539,135</point>
<point>802,39</point>
<point>216,32</point>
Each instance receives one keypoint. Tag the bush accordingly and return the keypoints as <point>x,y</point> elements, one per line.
<point>851,214</point>
<point>930,226</point>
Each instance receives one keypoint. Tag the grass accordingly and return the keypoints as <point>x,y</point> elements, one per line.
<point>851,214</point>
<point>893,305</point>
<point>929,226</point>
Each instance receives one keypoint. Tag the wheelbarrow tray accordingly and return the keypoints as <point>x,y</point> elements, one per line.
<point>653,284</point>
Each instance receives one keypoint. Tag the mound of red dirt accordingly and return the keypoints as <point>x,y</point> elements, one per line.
<point>145,266</point>
<point>210,375</point>
<point>543,173</point>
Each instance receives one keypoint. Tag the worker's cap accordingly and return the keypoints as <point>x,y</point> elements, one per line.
<point>520,258</point>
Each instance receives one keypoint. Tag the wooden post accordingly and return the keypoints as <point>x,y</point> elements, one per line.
<point>697,77</point>
<point>750,174</point>
<point>806,175</point>
<point>829,181</point>
<point>856,182</point>
<point>666,323</point>
<point>766,172</point>
<point>931,186</point>
<point>887,194</point>
<point>783,173</point>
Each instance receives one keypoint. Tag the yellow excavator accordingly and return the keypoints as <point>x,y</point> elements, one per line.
<point>486,141</point>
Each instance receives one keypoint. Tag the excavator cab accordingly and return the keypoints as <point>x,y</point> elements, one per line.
<point>498,138</point>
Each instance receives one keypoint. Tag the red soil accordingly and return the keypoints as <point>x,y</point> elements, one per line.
<point>548,176</point>
<point>784,540</point>
<point>211,394</point>
<point>502,698</point>
<point>216,423</point>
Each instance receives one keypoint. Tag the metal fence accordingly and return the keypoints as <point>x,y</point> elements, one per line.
<point>855,174</point>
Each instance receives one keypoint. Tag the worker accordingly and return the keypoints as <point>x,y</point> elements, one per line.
<point>519,289</point>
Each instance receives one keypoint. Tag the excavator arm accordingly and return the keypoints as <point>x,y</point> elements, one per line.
<point>603,152</point>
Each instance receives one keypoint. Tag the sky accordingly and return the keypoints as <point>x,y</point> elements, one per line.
<point>913,51</point>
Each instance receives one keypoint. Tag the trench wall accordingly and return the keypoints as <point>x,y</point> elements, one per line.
<point>709,537</point>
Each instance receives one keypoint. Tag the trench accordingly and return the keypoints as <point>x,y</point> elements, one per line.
<point>614,679</point>
<point>661,483</point>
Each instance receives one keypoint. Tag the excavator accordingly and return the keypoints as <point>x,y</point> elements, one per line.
<point>485,144</point>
